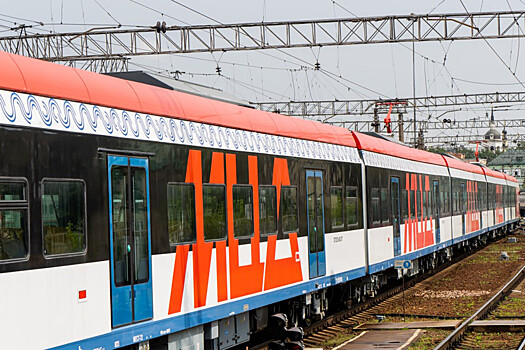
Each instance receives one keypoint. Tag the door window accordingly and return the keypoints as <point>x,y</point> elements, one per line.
<point>13,221</point>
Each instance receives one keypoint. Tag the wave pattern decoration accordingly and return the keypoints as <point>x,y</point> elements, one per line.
<point>27,110</point>
<point>385,161</point>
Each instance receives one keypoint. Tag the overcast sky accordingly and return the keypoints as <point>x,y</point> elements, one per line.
<point>382,70</point>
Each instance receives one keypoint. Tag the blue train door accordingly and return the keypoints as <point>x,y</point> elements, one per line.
<point>130,240</point>
<point>463,206</point>
<point>396,211</point>
<point>437,208</point>
<point>315,214</point>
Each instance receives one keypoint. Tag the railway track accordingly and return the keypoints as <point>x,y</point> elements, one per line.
<point>343,322</point>
<point>503,338</point>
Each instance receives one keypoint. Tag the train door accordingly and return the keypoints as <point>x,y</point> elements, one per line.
<point>462,206</point>
<point>130,240</point>
<point>436,205</point>
<point>315,214</point>
<point>396,211</point>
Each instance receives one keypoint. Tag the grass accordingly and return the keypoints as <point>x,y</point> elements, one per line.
<point>511,307</point>
<point>494,340</point>
<point>429,339</point>
<point>338,339</point>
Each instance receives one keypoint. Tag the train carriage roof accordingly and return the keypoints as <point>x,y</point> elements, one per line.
<point>460,165</point>
<point>510,178</point>
<point>37,77</point>
<point>378,145</point>
<point>494,173</point>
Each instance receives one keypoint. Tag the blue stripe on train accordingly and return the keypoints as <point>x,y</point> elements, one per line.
<point>139,332</point>
<point>151,329</point>
<point>419,253</point>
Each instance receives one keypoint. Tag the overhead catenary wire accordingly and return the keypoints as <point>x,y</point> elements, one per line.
<point>443,65</point>
<point>518,39</point>
<point>312,65</point>
<point>280,50</point>
<point>494,50</point>
<point>107,12</point>
<point>159,12</point>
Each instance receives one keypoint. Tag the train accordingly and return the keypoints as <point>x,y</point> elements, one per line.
<point>135,216</point>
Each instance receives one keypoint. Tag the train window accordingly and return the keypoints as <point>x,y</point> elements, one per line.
<point>63,217</point>
<point>464,202</point>
<point>425,204</point>
<point>289,219</point>
<point>242,210</point>
<point>376,210</point>
<point>385,212</point>
<point>442,201</point>
<point>484,200</point>
<point>181,213</point>
<point>494,196</point>
<point>489,196</point>
<point>404,203</point>
<point>13,220</point>
<point>454,201</point>
<point>478,196</point>
<point>430,204</point>
<point>412,204</point>
<point>12,191</point>
<point>268,209</point>
<point>418,205</point>
<point>473,197</point>
<point>336,207</point>
<point>214,211</point>
<point>351,206</point>
<point>446,201</point>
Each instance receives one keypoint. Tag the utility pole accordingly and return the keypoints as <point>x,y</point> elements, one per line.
<point>400,127</point>
<point>376,120</point>
<point>420,143</point>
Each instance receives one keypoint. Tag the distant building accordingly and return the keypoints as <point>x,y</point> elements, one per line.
<point>511,162</point>
<point>494,139</point>
<point>458,155</point>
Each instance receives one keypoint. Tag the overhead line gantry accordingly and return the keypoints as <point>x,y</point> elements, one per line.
<point>333,108</point>
<point>119,44</point>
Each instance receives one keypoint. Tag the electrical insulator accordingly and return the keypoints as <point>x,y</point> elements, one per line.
<point>317,65</point>
<point>218,70</point>
<point>160,27</point>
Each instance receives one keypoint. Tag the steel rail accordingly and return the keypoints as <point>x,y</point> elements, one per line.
<point>483,311</point>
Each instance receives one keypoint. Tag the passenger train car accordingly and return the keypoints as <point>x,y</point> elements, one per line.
<point>132,215</point>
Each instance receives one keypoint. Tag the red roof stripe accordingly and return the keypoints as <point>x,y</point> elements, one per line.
<point>510,178</point>
<point>460,165</point>
<point>37,77</point>
<point>493,173</point>
<point>378,145</point>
